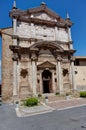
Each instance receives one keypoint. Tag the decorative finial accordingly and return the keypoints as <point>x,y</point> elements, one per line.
<point>68,16</point>
<point>14,4</point>
<point>43,3</point>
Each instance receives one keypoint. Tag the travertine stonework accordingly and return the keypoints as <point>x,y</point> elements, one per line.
<point>42,32</point>
<point>37,54</point>
<point>7,65</point>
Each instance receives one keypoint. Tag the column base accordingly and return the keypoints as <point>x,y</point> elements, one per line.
<point>61,92</point>
<point>35,95</point>
<point>15,98</point>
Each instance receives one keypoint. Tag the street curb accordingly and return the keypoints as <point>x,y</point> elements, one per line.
<point>30,114</point>
<point>70,107</point>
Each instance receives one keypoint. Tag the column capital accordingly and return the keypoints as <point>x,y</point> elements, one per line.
<point>15,57</point>
<point>72,59</point>
<point>34,53</point>
<point>59,58</point>
<point>33,57</point>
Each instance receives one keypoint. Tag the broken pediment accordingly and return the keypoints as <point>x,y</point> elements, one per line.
<point>46,65</point>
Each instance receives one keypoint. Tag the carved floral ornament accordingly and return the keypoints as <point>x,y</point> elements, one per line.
<point>24,73</point>
<point>65,72</point>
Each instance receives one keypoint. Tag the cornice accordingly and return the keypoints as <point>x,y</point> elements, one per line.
<point>25,16</point>
<point>42,22</point>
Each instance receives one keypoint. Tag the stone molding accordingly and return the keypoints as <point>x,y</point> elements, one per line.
<point>46,65</point>
<point>21,16</point>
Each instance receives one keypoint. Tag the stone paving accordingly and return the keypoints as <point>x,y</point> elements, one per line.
<point>25,111</point>
<point>67,103</point>
<point>53,98</point>
<point>50,106</point>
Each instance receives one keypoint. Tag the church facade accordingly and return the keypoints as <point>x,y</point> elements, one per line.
<point>37,53</point>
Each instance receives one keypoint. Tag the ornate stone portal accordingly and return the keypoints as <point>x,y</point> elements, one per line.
<point>41,53</point>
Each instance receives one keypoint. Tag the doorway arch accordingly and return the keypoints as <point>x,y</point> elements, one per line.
<point>47,81</point>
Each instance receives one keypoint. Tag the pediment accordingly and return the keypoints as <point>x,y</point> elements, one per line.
<point>44,16</point>
<point>38,14</point>
<point>43,12</point>
<point>46,65</point>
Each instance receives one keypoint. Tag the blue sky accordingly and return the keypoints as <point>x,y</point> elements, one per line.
<point>76,9</point>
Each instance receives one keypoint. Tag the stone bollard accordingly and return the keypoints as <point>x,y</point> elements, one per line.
<point>17,104</point>
<point>46,99</point>
<point>67,97</point>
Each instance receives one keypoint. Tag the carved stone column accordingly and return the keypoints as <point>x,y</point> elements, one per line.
<point>18,76</point>
<point>34,72</point>
<point>53,82</point>
<point>59,73</point>
<point>15,60</point>
<point>14,26</point>
<point>33,35</point>
<point>15,76</point>
<point>70,38</point>
<point>55,33</point>
<point>73,74</point>
<point>41,86</point>
<point>69,34</point>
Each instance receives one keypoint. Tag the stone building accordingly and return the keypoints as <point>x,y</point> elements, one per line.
<point>80,72</point>
<point>37,53</point>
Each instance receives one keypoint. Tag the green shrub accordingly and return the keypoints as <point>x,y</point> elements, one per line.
<point>57,93</point>
<point>83,94</point>
<point>67,94</point>
<point>31,102</point>
<point>39,95</point>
